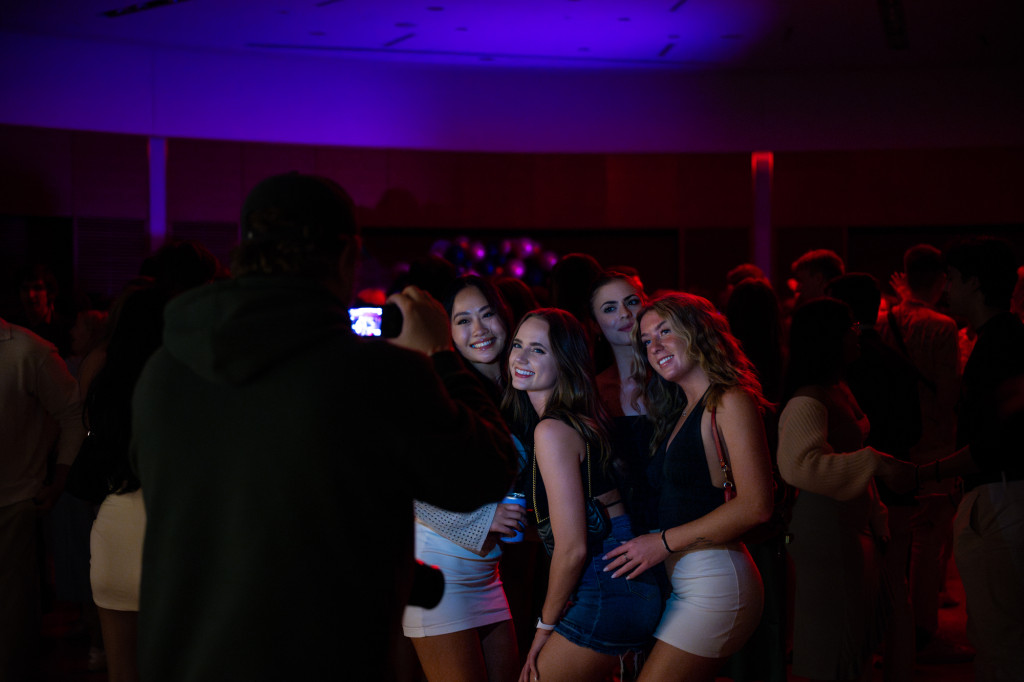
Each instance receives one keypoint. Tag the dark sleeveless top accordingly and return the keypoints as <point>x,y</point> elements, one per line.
<point>630,440</point>
<point>680,476</point>
<point>600,483</point>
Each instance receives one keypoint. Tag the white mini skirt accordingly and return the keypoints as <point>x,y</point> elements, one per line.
<point>115,569</point>
<point>715,604</point>
<point>473,595</point>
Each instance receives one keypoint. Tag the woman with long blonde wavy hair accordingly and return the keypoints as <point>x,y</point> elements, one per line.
<point>699,389</point>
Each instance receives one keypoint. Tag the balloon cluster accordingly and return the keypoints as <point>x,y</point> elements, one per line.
<point>522,258</point>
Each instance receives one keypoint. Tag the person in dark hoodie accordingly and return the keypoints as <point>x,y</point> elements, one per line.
<point>280,455</point>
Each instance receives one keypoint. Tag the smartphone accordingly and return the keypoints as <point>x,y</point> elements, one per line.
<point>365,321</point>
<point>385,322</point>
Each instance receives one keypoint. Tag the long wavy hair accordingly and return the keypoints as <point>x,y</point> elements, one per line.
<point>497,303</point>
<point>574,399</point>
<point>709,343</point>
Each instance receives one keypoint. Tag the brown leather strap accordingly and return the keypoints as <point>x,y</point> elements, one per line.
<point>718,450</point>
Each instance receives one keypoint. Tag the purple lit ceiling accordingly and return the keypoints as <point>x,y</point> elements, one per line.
<point>523,75</point>
<point>674,34</point>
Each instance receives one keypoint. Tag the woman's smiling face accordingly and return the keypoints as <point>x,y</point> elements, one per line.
<point>531,365</point>
<point>666,350</point>
<point>477,330</point>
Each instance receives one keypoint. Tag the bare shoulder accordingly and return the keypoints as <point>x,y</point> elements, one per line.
<point>554,435</point>
<point>738,405</point>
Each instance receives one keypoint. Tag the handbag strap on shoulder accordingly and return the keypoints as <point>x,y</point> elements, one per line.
<point>719,451</point>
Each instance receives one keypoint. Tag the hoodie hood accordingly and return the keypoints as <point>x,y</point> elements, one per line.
<point>231,331</point>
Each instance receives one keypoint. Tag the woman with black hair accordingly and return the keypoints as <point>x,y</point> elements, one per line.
<point>116,538</point>
<point>469,634</point>
<point>481,322</point>
<point>839,525</point>
<point>589,620</point>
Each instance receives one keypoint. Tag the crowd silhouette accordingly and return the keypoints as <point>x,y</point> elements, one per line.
<point>765,485</point>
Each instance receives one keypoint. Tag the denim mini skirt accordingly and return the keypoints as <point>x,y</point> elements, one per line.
<point>612,615</point>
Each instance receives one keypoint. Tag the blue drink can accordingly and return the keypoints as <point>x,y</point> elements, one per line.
<point>514,498</point>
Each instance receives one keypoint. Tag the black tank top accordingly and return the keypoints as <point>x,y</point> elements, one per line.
<point>680,476</point>
<point>600,483</point>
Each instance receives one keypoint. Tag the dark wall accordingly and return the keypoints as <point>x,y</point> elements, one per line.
<point>681,219</point>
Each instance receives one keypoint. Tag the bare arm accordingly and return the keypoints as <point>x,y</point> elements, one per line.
<point>960,463</point>
<point>747,453</point>
<point>743,439</point>
<point>559,449</point>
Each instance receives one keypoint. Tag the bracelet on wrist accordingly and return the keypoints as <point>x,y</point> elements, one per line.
<point>541,625</point>
<point>665,542</point>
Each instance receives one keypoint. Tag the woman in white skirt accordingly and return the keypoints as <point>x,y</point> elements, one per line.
<point>116,538</point>
<point>699,388</point>
<point>469,634</point>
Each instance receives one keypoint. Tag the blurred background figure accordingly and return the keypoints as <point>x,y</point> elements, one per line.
<point>40,411</point>
<point>928,339</point>
<point>813,271</point>
<point>839,523</point>
<point>38,290</point>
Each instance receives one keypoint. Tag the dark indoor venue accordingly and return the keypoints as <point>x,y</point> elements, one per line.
<point>702,355</point>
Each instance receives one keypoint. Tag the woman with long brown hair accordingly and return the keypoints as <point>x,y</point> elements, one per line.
<point>588,620</point>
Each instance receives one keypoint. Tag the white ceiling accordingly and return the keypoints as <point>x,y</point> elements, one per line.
<point>674,34</point>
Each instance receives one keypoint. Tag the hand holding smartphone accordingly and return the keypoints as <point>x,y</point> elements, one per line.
<point>384,322</point>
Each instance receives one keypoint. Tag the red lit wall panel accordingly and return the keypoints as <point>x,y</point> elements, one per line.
<point>570,190</point>
<point>643,190</point>
<point>35,171</point>
<point>714,190</point>
<point>110,175</point>
<point>204,180</point>
<point>496,190</point>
